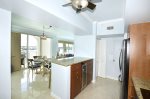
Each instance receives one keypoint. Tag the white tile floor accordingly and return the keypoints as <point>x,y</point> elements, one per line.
<point>102,89</point>
<point>26,87</point>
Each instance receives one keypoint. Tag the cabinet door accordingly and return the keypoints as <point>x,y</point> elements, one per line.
<point>89,71</point>
<point>139,53</point>
<point>75,80</point>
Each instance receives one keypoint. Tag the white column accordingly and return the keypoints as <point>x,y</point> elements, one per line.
<point>5,55</point>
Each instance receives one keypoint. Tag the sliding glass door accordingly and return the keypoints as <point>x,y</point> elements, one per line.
<point>30,46</point>
<point>23,51</point>
<point>33,46</point>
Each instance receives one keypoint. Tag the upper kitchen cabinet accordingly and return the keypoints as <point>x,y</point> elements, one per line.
<point>112,27</point>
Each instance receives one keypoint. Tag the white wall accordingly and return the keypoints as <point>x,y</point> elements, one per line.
<point>85,46</point>
<point>137,11</point>
<point>5,37</point>
<point>60,81</point>
<point>118,27</point>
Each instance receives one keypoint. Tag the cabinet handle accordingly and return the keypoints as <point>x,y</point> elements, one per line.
<point>77,77</point>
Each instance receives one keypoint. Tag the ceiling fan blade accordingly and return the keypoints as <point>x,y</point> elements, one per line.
<point>91,6</point>
<point>68,4</point>
<point>78,10</point>
<point>95,1</point>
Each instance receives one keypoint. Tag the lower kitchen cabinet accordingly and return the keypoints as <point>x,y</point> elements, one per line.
<point>77,77</point>
<point>76,80</point>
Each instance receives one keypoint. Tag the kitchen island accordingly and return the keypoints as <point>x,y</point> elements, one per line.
<point>69,76</point>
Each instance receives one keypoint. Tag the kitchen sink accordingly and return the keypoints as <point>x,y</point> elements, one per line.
<point>145,93</point>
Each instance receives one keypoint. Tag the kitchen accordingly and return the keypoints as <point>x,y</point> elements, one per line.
<point>86,42</point>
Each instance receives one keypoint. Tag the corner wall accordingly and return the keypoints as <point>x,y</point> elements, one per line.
<point>5,55</point>
<point>85,46</point>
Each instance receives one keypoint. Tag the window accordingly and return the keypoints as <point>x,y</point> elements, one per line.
<point>61,48</point>
<point>65,48</point>
<point>69,49</point>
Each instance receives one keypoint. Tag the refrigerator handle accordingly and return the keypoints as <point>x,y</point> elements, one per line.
<point>120,59</point>
<point>119,78</point>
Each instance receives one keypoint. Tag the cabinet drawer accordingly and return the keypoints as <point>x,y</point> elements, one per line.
<point>75,67</point>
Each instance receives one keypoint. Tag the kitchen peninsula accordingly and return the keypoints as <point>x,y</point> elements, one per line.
<point>70,75</point>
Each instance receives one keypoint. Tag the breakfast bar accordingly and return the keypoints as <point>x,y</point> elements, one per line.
<point>69,76</point>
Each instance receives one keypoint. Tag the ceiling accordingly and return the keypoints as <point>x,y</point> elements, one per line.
<point>25,25</point>
<point>29,16</point>
<point>107,10</point>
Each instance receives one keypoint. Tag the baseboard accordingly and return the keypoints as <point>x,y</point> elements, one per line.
<point>55,96</point>
<point>112,78</point>
<point>93,81</point>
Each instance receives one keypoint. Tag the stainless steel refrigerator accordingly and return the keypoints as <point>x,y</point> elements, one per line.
<point>124,68</point>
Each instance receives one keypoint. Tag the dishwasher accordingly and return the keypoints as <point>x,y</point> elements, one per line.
<point>84,75</point>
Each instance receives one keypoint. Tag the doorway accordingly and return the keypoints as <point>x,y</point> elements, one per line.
<point>107,59</point>
<point>101,57</point>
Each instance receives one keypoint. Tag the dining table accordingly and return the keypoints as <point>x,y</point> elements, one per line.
<point>43,62</point>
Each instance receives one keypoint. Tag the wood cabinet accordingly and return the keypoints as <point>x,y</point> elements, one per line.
<point>89,71</point>
<point>76,77</point>
<point>139,64</point>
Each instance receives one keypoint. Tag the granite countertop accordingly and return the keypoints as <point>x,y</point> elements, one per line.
<point>68,61</point>
<point>140,83</point>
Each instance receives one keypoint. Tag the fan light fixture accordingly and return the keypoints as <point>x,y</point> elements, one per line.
<point>80,3</point>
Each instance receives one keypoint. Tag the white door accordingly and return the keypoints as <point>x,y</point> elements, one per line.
<point>112,58</point>
<point>101,58</point>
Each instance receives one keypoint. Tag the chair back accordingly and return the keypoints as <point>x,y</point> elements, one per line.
<point>37,57</point>
<point>30,62</point>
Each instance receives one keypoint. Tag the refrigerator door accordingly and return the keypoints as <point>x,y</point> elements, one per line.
<point>124,64</point>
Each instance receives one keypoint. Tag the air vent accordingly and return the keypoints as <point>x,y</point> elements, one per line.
<point>110,28</point>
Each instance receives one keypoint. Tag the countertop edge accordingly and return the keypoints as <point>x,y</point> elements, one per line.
<point>140,83</point>
<point>71,61</point>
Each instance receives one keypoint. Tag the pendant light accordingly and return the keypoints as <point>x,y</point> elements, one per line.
<point>43,36</point>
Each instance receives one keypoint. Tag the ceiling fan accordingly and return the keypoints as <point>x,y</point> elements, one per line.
<point>79,5</point>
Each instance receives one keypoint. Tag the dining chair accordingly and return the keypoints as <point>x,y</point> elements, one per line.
<point>33,66</point>
<point>48,65</point>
